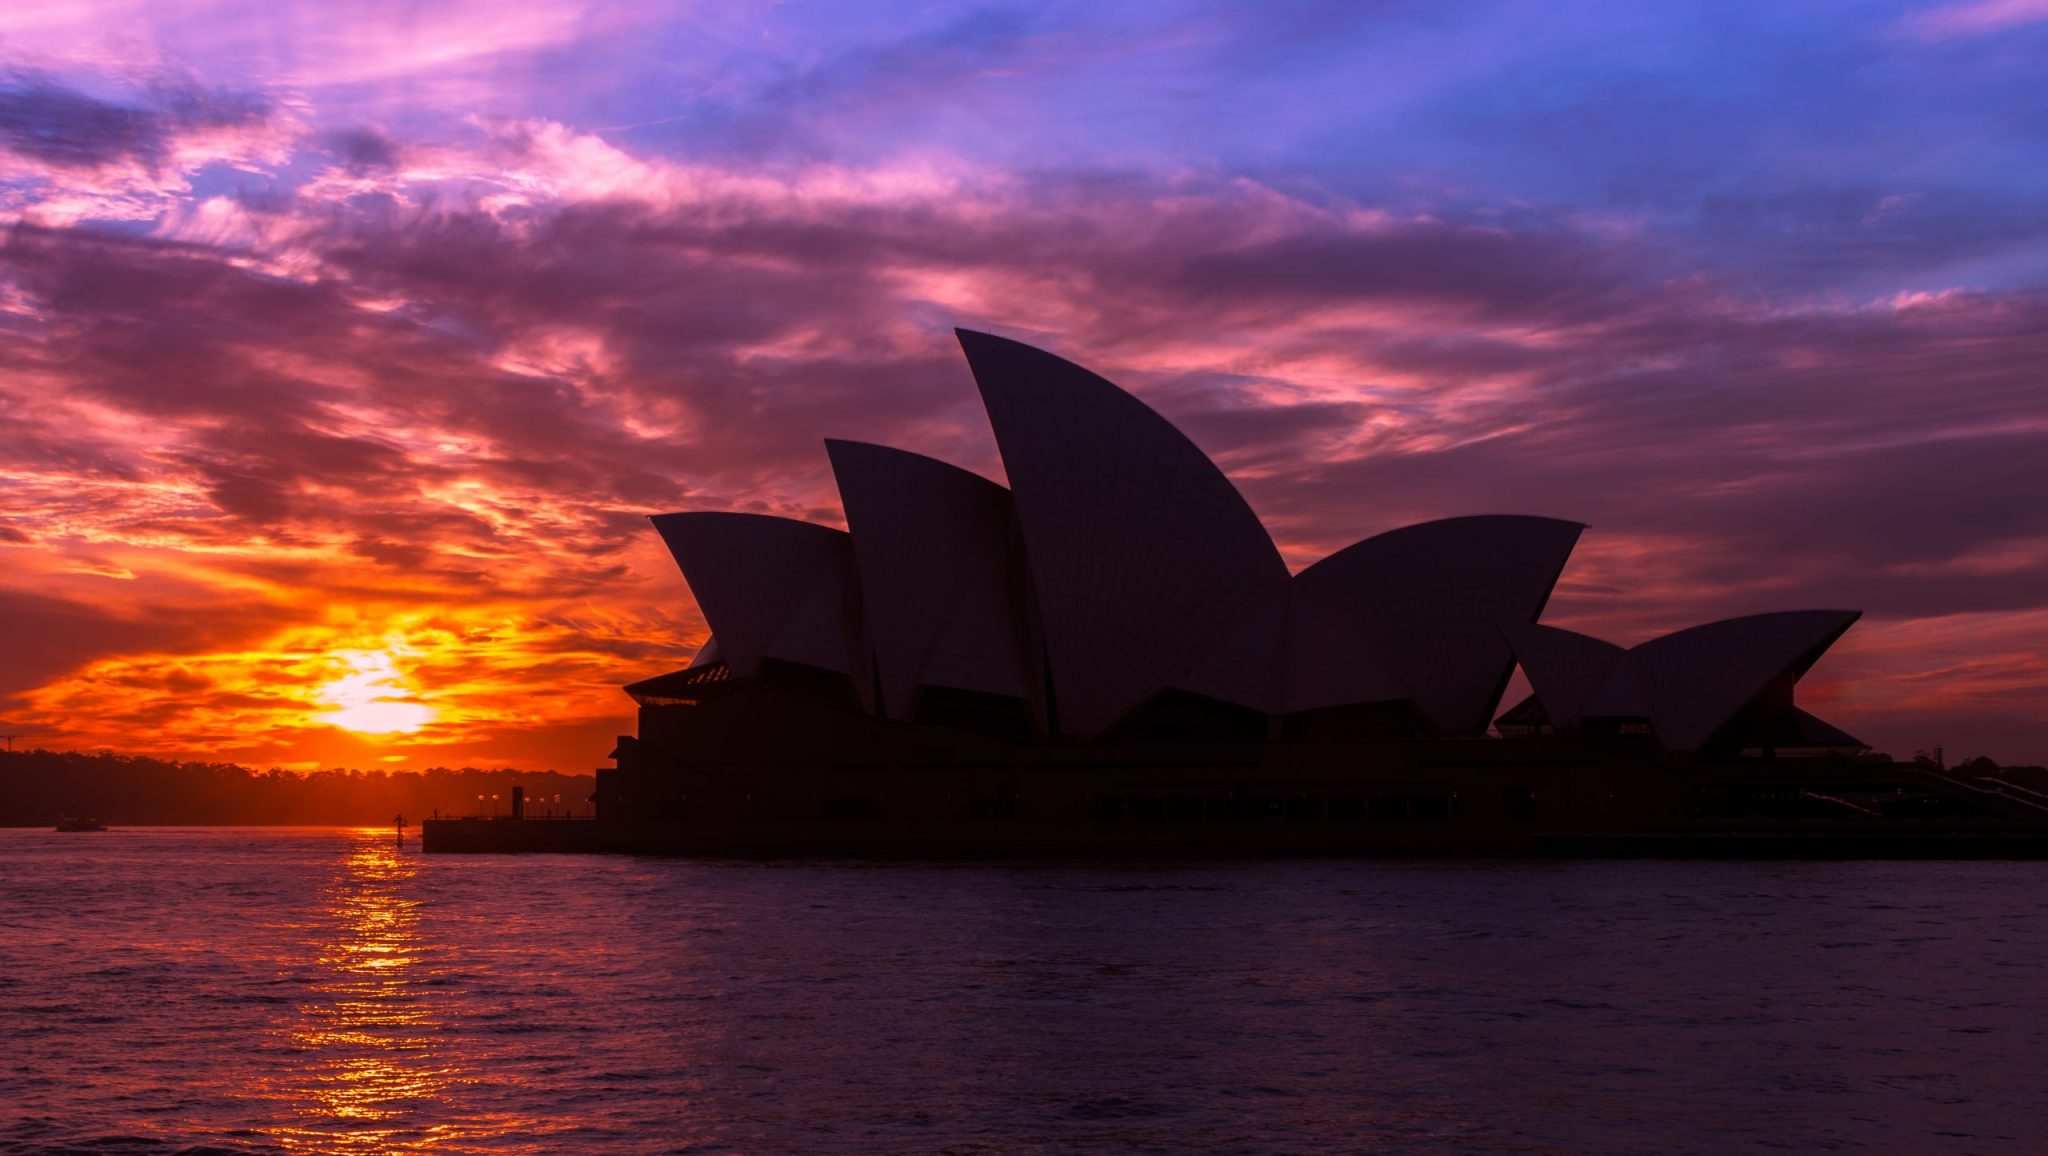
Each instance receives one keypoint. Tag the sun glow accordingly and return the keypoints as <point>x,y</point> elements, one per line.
<point>374,700</point>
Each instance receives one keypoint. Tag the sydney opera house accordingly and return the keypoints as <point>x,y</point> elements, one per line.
<point>1110,655</point>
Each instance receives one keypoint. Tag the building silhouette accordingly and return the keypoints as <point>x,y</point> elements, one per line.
<point>1123,582</point>
<point>1110,655</point>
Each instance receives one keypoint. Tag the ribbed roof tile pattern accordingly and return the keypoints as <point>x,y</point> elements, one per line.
<point>940,573</point>
<point>1137,544</point>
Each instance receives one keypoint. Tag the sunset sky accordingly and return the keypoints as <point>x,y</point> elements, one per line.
<point>345,348</point>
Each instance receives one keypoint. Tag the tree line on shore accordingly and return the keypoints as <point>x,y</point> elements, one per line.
<point>37,787</point>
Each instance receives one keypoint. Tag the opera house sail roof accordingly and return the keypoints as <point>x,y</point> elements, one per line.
<point>1121,577</point>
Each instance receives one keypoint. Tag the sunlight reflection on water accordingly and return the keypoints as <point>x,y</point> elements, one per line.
<point>368,1028</point>
<point>323,991</point>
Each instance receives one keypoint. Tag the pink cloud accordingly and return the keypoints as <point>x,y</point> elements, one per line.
<point>441,384</point>
<point>1974,18</point>
<point>67,157</point>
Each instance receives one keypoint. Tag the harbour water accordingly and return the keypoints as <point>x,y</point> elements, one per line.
<point>322,991</point>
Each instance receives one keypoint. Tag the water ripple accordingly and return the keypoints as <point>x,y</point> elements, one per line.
<point>186,991</point>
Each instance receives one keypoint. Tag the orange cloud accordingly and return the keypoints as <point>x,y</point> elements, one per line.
<point>434,687</point>
<point>375,458</point>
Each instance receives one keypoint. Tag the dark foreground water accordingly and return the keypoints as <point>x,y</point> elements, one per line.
<point>320,991</point>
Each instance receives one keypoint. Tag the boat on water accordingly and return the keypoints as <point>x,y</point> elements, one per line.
<point>79,823</point>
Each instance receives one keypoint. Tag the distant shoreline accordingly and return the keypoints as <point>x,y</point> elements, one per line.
<point>411,826</point>
<point>37,787</point>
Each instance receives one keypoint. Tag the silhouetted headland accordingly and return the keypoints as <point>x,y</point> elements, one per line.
<point>40,787</point>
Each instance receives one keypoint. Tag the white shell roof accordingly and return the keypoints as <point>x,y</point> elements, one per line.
<point>1122,562</point>
<point>1137,544</point>
<point>1695,680</point>
<point>1247,664</point>
<point>1432,596</point>
<point>940,573</point>
<point>1297,652</point>
<point>770,588</point>
<point>1331,659</point>
<point>1565,668</point>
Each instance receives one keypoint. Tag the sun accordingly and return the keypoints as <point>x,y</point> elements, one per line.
<point>374,699</point>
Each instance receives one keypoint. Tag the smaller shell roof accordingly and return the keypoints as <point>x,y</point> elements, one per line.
<point>1432,596</point>
<point>1689,684</point>
<point>940,573</point>
<point>1334,660</point>
<point>1697,679</point>
<point>1565,668</point>
<point>769,587</point>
